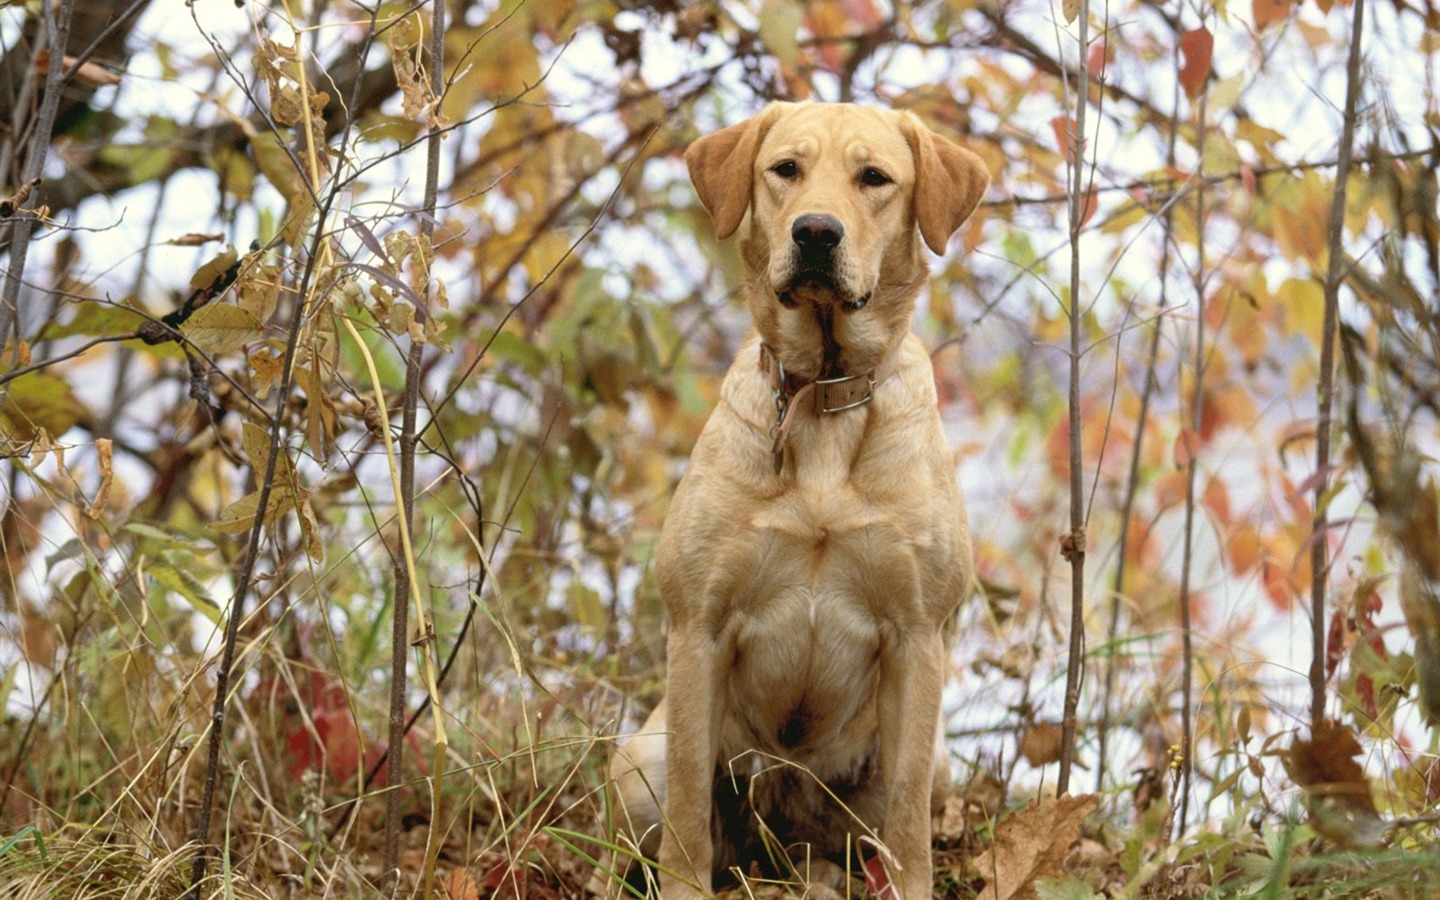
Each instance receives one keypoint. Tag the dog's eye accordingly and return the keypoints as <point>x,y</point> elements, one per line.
<point>786,170</point>
<point>873,177</point>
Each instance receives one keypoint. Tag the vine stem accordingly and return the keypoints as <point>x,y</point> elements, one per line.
<point>1325,390</point>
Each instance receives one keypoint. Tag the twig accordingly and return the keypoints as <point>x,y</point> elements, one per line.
<point>57,22</point>
<point>1072,544</point>
<point>406,582</point>
<point>1132,479</point>
<point>1334,274</point>
<point>1192,444</point>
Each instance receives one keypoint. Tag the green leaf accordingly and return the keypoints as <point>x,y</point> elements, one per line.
<point>38,400</point>
<point>151,533</point>
<point>1067,889</point>
<point>143,162</point>
<point>182,581</point>
<point>70,550</point>
<point>510,347</point>
<point>7,684</point>
<point>96,319</point>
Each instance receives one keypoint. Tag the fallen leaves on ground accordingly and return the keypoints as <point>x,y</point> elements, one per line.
<point>1341,807</point>
<point>1031,845</point>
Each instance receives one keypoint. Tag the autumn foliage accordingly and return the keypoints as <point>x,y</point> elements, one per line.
<point>241,239</point>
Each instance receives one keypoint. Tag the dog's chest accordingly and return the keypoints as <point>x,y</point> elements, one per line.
<point>825,576</point>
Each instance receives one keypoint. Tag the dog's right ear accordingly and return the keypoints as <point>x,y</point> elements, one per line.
<point>722,167</point>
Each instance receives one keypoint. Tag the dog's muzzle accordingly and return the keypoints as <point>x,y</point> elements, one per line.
<point>816,238</point>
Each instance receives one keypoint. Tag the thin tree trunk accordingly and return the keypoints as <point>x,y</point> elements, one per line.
<point>1192,442</point>
<point>1072,545</point>
<point>404,576</point>
<point>1319,564</point>
<point>1132,479</point>
<point>57,29</point>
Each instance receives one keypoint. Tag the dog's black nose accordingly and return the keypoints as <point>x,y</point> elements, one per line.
<point>817,234</point>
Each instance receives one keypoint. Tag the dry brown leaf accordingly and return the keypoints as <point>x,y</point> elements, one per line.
<point>88,72</point>
<point>39,447</point>
<point>460,885</point>
<point>37,640</point>
<point>1031,844</point>
<point>1042,743</point>
<point>195,239</point>
<point>1071,8</point>
<point>104,452</point>
<point>952,818</point>
<point>93,74</point>
<point>1341,806</point>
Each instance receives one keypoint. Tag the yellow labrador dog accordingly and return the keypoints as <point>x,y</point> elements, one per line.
<point>817,546</point>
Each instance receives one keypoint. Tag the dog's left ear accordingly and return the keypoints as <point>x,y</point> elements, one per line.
<point>950,181</point>
<point>722,168</point>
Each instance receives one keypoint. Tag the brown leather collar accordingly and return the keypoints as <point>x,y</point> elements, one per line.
<point>831,395</point>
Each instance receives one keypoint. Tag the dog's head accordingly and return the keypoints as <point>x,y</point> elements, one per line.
<point>838,194</point>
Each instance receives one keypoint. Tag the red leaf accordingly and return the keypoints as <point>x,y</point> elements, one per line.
<point>862,13</point>
<point>1102,54</point>
<point>876,880</point>
<point>1217,500</point>
<point>1187,442</point>
<point>1365,690</point>
<point>1064,128</point>
<point>1088,204</point>
<point>1279,587</point>
<point>1247,179</point>
<point>1195,47</point>
<point>1335,642</point>
<point>1268,12</point>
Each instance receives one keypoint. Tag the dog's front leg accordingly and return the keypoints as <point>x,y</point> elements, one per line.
<point>694,710</point>
<point>911,675</point>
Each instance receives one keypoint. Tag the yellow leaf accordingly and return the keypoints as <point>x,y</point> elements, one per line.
<point>258,290</point>
<point>221,328</point>
<point>240,515</point>
<point>214,269</point>
<point>277,166</point>
<point>255,441</point>
<point>264,371</point>
<point>1303,301</point>
<point>779,22</point>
